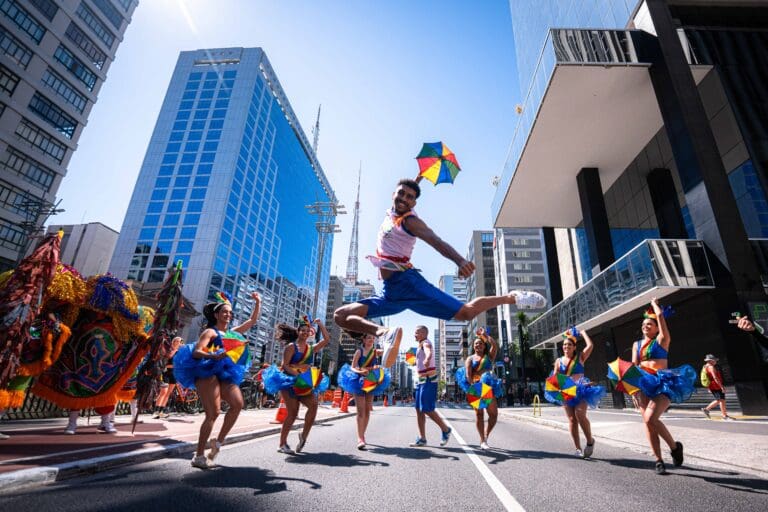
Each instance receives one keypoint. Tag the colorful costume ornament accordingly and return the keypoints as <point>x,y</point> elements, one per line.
<point>276,380</point>
<point>376,381</point>
<point>569,392</point>
<point>482,370</point>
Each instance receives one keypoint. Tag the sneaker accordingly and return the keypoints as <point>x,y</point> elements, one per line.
<point>361,446</point>
<point>215,446</point>
<point>484,446</point>
<point>4,436</point>
<point>70,430</point>
<point>527,299</point>
<point>445,437</point>
<point>286,450</point>
<point>706,412</point>
<point>107,428</point>
<point>200,461</point>
<point>418,442</point>
<point>302,442</point>
<point>164,415</point>
<point>579,453</point>
<point>156,415</point>
<point>390,340</point>
<point>589,449</point>
<point>661,469</point>
<point>677,454</point>
<point>728,418</point>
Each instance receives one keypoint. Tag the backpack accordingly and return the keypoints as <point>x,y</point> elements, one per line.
<point>704,377</point>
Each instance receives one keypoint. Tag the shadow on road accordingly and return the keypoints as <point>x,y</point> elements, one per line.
<point>262,481</point>
<point>332,459</point>
<point>409,453</point>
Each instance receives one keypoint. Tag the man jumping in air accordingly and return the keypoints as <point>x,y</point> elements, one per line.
<point>405,288</point>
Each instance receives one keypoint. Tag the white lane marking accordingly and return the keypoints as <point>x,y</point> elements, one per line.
<point>507,500</point>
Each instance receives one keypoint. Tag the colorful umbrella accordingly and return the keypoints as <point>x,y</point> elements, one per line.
<point>373,379</point>
<point>307,381</point>
<point>479,395</point>
<point>410,356</point>
<point>625,376</point>
<point>560,387</point>
<point>437,163</point>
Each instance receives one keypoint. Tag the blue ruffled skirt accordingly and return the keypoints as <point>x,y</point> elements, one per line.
<point>585,392</point>
<point>676,383</point>
<point>352,382</point>
<point>187,369</point>
<point>275,381</point>
<point>486,378</point>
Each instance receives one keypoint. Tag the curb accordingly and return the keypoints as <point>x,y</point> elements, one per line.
<point>633,446</point>
<point>25,479</point>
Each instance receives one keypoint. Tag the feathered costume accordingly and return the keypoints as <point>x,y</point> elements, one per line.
<point>276,380</point>
<point>355,383</point>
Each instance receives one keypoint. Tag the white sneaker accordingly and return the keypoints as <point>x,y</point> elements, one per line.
<point>286,450</point>
<point>107,428</point>
<point>484,446</point>
<point>70,430</point>
<point>199,461</point>
<point>390,340</point>
<point>4,436</point>
<point>527,299</point>
<point>579,454</point>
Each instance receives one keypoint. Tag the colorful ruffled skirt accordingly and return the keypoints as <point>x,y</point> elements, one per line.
<point>352,382</point>
<point>275,381</point>
<point>486,378</point>
<point>585,392</point>
<point>676,383</point>
<point>187,369</point>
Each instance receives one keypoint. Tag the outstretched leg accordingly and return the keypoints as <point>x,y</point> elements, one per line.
<point>352,318</point>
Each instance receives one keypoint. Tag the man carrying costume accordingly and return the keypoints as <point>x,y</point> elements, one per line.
<point>405,288</point>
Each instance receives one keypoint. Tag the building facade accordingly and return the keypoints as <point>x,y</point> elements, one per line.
<point>54,58</point>
<point>452,334</point>
<point>223,189</point>
<point>87,247</point>
<point>656,186</point>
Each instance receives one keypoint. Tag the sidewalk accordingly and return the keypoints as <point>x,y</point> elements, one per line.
<point>38,452</point>
<point>740,444</point>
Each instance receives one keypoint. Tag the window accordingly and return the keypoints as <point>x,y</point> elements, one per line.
<point>12,198</point>
<point>188,233</point>
<point>46,7</point>
<point>29,169</point>
<point>167,233</point>
<point>65,90</point>
<point>8,80</point>
<point>151,220</point>
<point>179,193</point>
<point>14,49</point>
<point>77,36</point>
<point>22,19</point>
<point>41,140</point>
<point>112,14</point>
<point>96,26</point>
<point>147,233</point>
<point>155,207</point>
<point>171,220</point>
<point>181,182</point>
<point>53,115</point>
<point>75,66</point>
<point>126,4</point>
<point>184,246</point>
<point>10,236</point>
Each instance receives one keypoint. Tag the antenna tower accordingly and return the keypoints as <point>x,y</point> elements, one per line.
<point>351,278</point>
<point>316,131</point>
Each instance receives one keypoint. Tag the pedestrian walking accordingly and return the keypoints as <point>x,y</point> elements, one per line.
<point>425,399</point>
<point>352,379</point>
<point>297,359</point>
<point>571,364</point>
<point>478,367</point>
<point>169,382</point>
<point>712,378</point>
<point>215,365</point>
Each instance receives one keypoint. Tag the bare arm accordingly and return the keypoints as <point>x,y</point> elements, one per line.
<point>287,355</point>
<point>245,326</point>
<point>588,349</point>
<point>356,362</point>
<point>427,352</point>
<point>634,354</point>
<point>420,229</point>
<point>468,369</point>
<point>494,351</point>
<point>326,337</point>
<point>664,337</point>
<point>205,339</point>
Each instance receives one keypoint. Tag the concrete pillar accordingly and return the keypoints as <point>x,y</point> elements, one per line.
<point>595,217</point>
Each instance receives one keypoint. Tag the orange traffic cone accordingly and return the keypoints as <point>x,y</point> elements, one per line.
<point>385,401</point>
<point>336,398</point>
<point>282,413</point>
<point>345,403</point>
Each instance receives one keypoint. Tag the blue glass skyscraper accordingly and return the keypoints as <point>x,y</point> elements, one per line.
<point>223,188</point>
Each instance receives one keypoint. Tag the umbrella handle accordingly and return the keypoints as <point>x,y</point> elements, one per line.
<point>418,179</point>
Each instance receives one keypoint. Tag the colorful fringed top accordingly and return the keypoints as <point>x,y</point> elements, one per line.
<point>572,367</point>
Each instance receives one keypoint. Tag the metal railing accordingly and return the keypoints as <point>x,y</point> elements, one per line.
<point>651,264</point>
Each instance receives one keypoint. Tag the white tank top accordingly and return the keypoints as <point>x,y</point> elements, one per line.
<point>394,244</point>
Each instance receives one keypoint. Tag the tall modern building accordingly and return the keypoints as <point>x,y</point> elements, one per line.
<point>223,188</point>
<point>451,333</point>
<point>54,58</point>
<point>335,300</point>
<point>87,247</point>
<point>642,132</point>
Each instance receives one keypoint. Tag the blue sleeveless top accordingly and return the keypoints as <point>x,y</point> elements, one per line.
<point>654,350</point>
<point>298,356</point>
<point>374,362</point>
<point>576,368</point>
<point>484,364</point>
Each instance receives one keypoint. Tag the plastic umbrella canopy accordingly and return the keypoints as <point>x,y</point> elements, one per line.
<point>625,376</point>
<point>373,379</point>
<point>307,381</point>
<point>561,387</point>
<point>437,163</point>
<point>410,356</point>
<point>235,345</point>
<point>479,395</point>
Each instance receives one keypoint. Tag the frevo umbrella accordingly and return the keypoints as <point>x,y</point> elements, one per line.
<point>479,395</point>
<point>307,381</point>
<point>625,376</point>
<point>410,356</point>
<point>373,379</point>
<point>437,163</point>
<point>560,387</point>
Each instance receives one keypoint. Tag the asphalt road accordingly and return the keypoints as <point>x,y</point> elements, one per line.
<point>529,467</point>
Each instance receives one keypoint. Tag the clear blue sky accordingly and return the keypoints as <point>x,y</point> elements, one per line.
<point>389,75</point>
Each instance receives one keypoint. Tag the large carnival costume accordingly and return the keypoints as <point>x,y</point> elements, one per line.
<point>375,381</point>
<point>309,379</point>
<point>585,390</point>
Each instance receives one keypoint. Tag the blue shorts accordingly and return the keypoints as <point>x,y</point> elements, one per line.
<point>409,290</point>
<point>426,396</point>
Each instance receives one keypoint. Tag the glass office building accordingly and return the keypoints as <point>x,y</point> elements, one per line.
<point>223,189</point>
